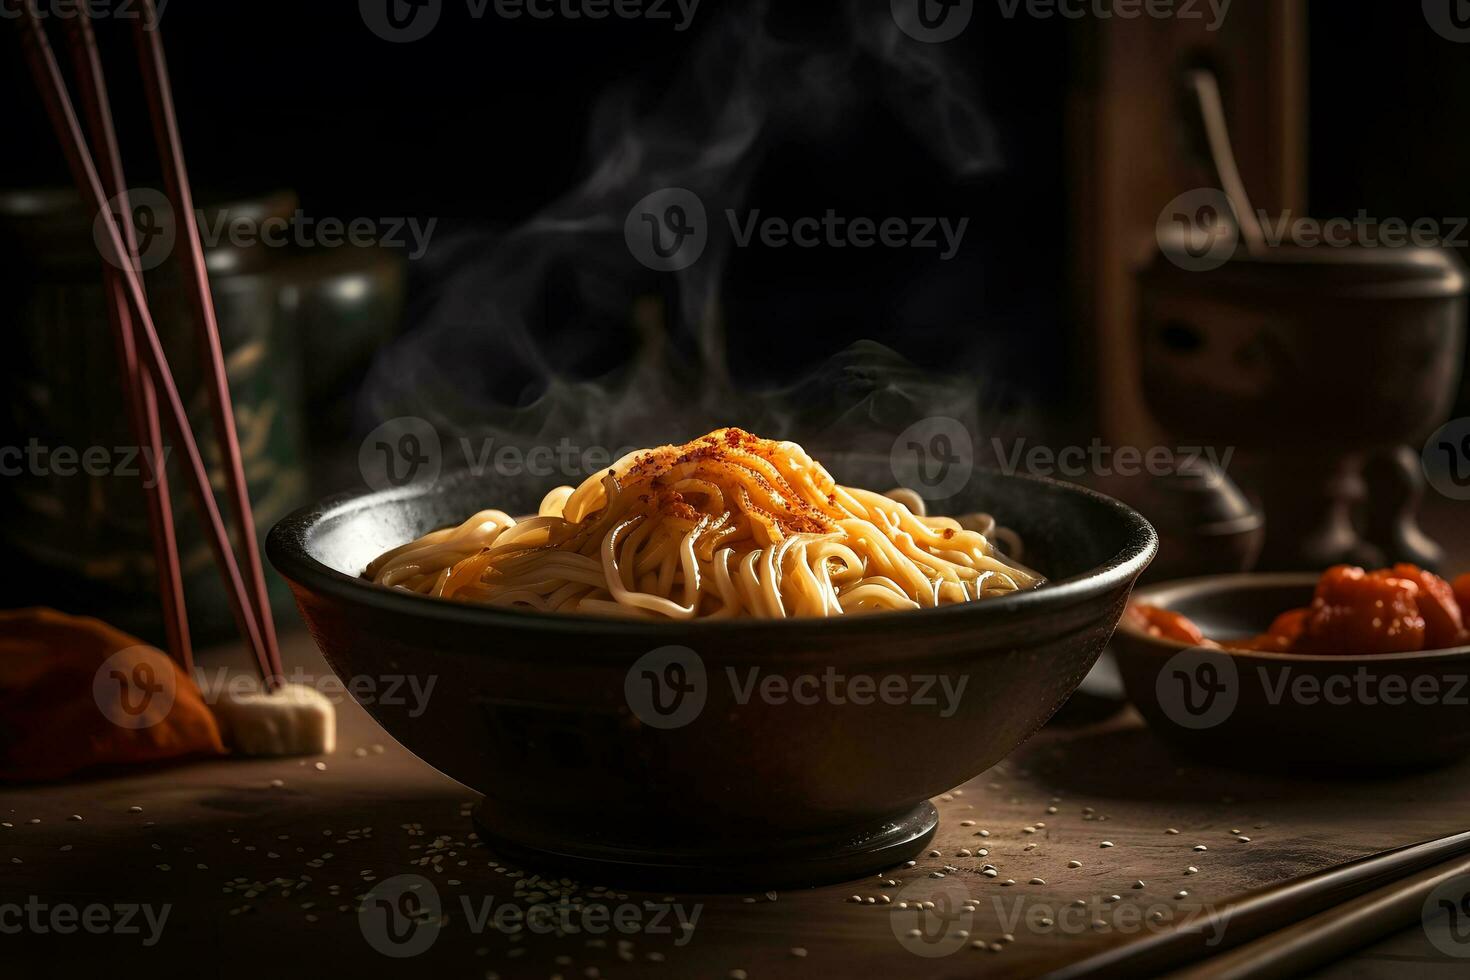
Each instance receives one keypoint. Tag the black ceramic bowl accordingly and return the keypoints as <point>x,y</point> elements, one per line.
<point>1339,714</point>
<point>556,719</point>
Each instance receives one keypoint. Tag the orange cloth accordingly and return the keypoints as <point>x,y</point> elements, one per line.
<point>76,694</point>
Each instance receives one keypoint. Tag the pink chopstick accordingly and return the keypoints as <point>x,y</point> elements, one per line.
<point>69,131</point>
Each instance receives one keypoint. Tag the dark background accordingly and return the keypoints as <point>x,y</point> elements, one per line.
<point>485,121</point>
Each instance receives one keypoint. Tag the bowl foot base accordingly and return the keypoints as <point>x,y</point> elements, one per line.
<point>786,863</point>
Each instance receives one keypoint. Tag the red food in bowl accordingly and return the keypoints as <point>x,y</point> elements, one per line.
<point>1362,613</point>
<point>1444,624</point>
<point>1354,612</point>
<point>1282,637</point>
<point>1166,624</point>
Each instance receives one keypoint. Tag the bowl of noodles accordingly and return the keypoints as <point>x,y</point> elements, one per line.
<point>715,663</point>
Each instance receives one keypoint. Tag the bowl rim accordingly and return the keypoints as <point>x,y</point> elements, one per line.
<point>1165,594</point>
<point>287,551</point>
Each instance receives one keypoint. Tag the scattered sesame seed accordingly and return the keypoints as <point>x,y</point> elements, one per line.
<point>1171,830</point>
<point>1200,847</point>
<point>1244,840</point>
<point>135,809</point>
<point>1106,843</point>
<point>963,852</point>
<point>1038,881</point>
<point>967,823</point>
<point>798,951</point>
<point>1191,870</point>
<point>1181,893</point>
<point>75,816</point>
<point>1074,864</point>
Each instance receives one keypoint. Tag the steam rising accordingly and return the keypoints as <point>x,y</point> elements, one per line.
<point>553,330</point>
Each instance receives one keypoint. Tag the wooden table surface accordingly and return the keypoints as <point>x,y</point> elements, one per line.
<point>263,876</point>
<point>260,866</point>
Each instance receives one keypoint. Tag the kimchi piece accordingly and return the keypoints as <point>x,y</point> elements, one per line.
<point>1354,612</point>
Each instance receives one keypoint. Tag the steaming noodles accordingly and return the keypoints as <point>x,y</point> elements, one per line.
<point>728,525</point>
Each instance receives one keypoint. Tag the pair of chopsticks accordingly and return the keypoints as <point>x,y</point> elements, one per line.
<point>1289,928</point>
<point>99,175</point>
